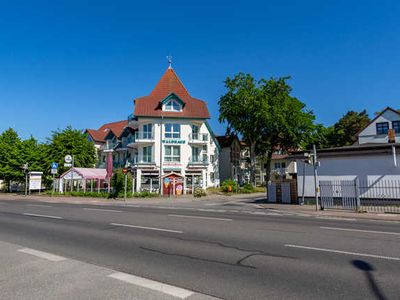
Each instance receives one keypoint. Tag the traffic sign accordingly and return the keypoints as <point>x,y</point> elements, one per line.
<point>67,165</point>
<point>54,165</point>
<point>68,159</point>
<point>53,171</point>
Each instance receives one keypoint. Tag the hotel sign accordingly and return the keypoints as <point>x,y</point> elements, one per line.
<point>173,141</point>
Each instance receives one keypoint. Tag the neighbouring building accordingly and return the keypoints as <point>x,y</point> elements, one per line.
<point>377,130</point>
<point>230,158</point>
<point>372,160</point>
<point>167,137</point>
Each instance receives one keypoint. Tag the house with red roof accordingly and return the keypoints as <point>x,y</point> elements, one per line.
<point>167,141</point>
<point>174,140</point>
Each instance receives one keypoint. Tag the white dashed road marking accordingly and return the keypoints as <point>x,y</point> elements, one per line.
<point>39,205</point>
<point>343,252</point>
<point>41,216</point>
<point>42,254</point>
<point>360,230</point>
<point>147,228</point>
<point>200,217</point>
<point>153,285</point>
<point>101,209</point>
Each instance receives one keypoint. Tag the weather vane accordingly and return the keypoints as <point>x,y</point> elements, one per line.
<point>169,58</point>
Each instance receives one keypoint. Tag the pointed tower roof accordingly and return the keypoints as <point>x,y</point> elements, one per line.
<point>170,84</point>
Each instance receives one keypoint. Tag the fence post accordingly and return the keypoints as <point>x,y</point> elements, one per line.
<point>357,193</point>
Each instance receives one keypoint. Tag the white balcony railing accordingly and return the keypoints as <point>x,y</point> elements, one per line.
<point>142,160</point>
<point>198,160</point>
<point>198,138</point>
<point>143,137</point>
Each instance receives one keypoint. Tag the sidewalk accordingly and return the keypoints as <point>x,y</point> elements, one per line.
<point>309,210</point>
<point>119,201</point>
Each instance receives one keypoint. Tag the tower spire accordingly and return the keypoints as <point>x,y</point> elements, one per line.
<point>169,58</point>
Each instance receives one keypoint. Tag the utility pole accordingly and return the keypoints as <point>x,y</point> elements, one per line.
<point>315,165</point>
<point>72,174</point>
<point>25,168</point>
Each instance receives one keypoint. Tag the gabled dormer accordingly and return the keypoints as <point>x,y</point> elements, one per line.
<point>172,103</point>
<point>377,130</point>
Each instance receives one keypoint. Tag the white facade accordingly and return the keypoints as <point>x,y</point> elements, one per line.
<point>372,167</point>
<point>377,130</point>
<point>183,146</point>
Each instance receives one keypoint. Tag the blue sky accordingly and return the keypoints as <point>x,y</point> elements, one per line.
<point>83,62</point>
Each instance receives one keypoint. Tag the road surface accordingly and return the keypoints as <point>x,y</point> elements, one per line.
<point>57,250</point>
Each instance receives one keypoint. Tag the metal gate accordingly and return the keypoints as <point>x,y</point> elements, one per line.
<point>340,194</point>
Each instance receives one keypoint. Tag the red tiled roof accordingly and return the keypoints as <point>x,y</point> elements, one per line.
<point>96,135</point>
<point>116,127</point>
<point>170,83</point>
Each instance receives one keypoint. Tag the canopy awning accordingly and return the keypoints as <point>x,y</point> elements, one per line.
<point>85,173</point>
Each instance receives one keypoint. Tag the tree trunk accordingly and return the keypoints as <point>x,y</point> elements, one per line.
<point>268,167</point>
<point>253,163</point>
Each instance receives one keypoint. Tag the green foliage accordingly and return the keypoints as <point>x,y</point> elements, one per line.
<point>266,115</point>
<point>79,194</point>
<point>248,188</point>
<point>10,156</point>
<point>199,192</point>
<point>346,128</point>
<point>73,142</point>
<point>118,184</point>
<point>228,186</point>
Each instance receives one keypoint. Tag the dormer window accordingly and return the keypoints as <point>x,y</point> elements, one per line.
<point>172,105</point>
<point>382,128</point>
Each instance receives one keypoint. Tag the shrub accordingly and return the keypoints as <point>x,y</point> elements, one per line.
<point>228,186</point>
<point>198,192</point>
<point>248,188</point>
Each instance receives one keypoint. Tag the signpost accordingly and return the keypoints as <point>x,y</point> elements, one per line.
<point>53,171</point>
<point>69,162</point>
<point>25,168</point>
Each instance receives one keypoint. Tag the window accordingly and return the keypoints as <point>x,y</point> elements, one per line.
<point>277,165</point>
<point>382,128</point>
<point>212,158</point>
<point>396,126</point>
<point>172,153</point>
<point>172,131</point>
<point>147,131</point>
<point>195,132</point>
<point>212,176</point>
<point>195,154</point>
<point>147,153</point>
<point>172,105</point>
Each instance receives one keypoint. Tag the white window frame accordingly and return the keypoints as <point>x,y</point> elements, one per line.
<point>171,157</point>
<point>147,130</point>
<point>172,105</point>
<point>173,134</point>
<point>148,156</point>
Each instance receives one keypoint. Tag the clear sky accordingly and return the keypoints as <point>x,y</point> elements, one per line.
<point>83,62</point>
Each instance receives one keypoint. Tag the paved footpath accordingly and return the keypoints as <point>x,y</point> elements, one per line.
<point>241,203</point>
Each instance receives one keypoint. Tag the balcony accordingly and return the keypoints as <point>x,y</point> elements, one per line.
<point>198,138</point>
<point>109,146</point>
<point>143,160</point>
<point>198,160</point>
<point>141,136</point>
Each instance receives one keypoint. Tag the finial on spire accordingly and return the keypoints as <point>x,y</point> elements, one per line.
<point>169,58</point>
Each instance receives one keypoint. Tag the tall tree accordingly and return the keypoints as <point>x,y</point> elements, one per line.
<point>344,132</point>
<point>266,115</point>
<point>70,142</point>
<point>10,156</point>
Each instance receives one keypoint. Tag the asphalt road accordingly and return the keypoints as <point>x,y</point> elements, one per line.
<point>224,254</point>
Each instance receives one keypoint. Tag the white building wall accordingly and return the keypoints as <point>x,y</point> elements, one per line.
<point>366,167</point>
<point>186,147</point>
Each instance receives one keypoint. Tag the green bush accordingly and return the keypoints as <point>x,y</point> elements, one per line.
<point>228,185</point>
<point>198,192</point>
<point>248,188</point>
<point>118,184</point>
